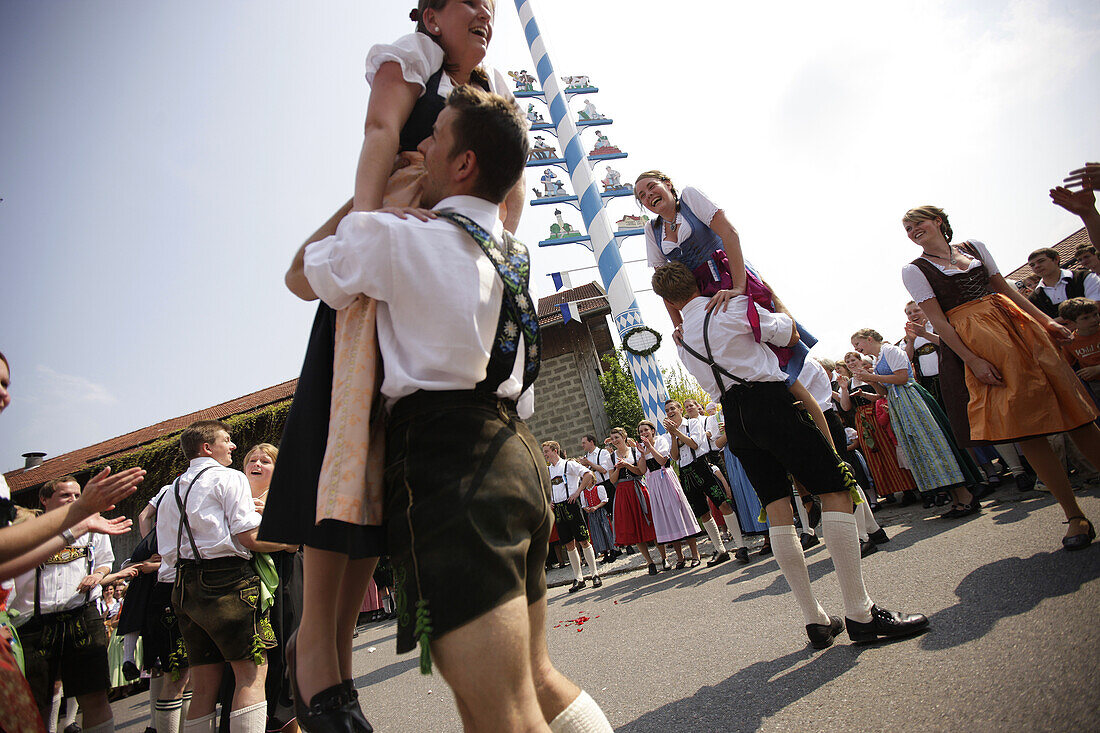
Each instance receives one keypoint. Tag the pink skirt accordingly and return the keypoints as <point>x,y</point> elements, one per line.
<point>672,516</point>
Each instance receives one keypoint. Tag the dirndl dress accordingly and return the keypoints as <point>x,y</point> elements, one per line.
<point>672,516</point>
<point>633,512</point>
<point>879,450</point>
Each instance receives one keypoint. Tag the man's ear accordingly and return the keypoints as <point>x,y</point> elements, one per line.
<point>465,168</point>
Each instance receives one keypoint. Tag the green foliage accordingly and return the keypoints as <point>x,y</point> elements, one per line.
<point>682,386</point>
<point>163,460</point>
<point>620,396</point>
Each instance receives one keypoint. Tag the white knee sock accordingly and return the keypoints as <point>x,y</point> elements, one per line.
<point>205,724</point>
<point>1007,452</point>
<point>55,710</point>
<point>129,646</point>
<point>186,706</point>
<point>107,726</point>
<point>252,719</point>
<point>802,516</point>
<point>575,561</point>
<point>792,561</point>
<point>865,518</point>
<point>839,531</point>
<point>168,716</point>
<point>734,529</point>
<point>590,556</point>
<point>155,685</point>
<point>582,716</point>
<point>70,713</point>
<point>712,532</point>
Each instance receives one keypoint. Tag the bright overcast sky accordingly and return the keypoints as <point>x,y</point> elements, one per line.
<point>161,162</point>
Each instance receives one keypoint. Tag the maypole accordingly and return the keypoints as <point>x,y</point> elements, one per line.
<point>624,305</point>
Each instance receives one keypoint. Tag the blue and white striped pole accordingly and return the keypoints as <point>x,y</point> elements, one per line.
<point>624,306</point>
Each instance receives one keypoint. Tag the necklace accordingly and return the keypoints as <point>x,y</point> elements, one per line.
<point>950,259</point>
<point>673,225</point>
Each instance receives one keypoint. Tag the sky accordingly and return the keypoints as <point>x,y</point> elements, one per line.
<point>160,163</point>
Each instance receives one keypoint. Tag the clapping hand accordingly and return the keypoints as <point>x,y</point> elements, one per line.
<point>1081,202</point>
<point>105,490</point>
<point>1088,176</point>
<point>98,523</point>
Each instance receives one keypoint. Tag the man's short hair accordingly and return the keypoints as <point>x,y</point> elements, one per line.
<point>496,132</point>
<point>199,433</point>
<point>1084,248</point>
<point>1046,252</point>
<point>675,283</point>
<point>553,445</point>
<point>1074,308</point>
<point>46,490</point>
<point>590,438</point>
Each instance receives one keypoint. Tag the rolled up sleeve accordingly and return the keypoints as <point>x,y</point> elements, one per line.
<point>354,260</point>
<point>775,328</point>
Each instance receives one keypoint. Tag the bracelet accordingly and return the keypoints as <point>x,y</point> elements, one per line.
<point>67,535</point>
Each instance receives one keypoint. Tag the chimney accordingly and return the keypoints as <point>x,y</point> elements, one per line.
<point>34,459</point>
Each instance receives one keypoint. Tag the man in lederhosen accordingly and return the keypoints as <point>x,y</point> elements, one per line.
<point>567,480</point>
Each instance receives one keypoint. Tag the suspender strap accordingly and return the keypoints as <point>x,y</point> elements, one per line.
<point>715,369</point>
<point>517,313</point>
<point>182,504</point>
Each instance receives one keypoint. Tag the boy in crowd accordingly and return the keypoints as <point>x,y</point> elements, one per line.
<point>206,531</point>
<point>1083,350</point>
<point>1057,285</point>
<point>567,480</point>
<point>771,437</point>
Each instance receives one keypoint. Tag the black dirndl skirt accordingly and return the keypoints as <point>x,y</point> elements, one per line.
<point>292,499</point>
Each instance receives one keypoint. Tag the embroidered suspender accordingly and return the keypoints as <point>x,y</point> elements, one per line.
<point>517,313</point>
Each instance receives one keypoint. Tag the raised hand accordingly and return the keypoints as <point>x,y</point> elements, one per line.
<point>105,489</point>
<point>1088,176</point>
<point>1081,202</point>
<point>102,525</point>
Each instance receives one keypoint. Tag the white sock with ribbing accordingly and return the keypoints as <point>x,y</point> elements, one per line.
<point>865,518</point>
<point>168,716</point>
<point>582,715</point>
<point>155,685</point>
<point>792,561</point>
<point>590,557</point>
<point>839,532</point>
<point>252,719</point>
<point>55,710</point>
<point>71,707</point>
<point>129,646</point>
<point>712,532</point>
<point>802,516</point>
<point>575,562</point>
<point>734,528</point>
<point>205,724</point>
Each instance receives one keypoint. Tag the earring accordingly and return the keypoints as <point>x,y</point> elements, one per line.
<point>435,30</point>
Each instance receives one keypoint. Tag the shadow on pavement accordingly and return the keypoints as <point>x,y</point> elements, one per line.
<point>391,670</point>
<point>1009,587</point>
<point>760,691</point>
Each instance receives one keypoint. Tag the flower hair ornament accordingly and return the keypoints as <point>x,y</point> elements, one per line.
<point>414,15</point>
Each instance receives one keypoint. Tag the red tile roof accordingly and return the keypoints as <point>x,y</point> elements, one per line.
<point>592,301</point>
<point>81,459</point>
<point>1065,250</point>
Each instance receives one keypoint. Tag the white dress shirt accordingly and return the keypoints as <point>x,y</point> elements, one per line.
<point>1057,292</point>
<point>732,344</point>
<point>601,457</point>
<point>693,428</point>
<point>219,507</point>
<point>166,573</point>
<point>60,575</point>
<point>565,477</point>
<point>704,210</point>
<point>816,381</point>
<point>439,296</point>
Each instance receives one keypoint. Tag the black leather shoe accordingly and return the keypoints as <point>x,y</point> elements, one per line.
<point>813,512</point>
<point>822,635</point>
<point>928,500</point>
<point>718,559</point>
<point>652,569</point>
<point>332,710</point>
<point>943,498</point>
<point>867,547</point>
<point>879,536</point>
<point>741,554</point>
<point>356,708</point>
<point>1079,541</point>
<point>1024,481</point>
<point>577,585</point>
<point>809,540</point>
<point>597,581</point>
<point>765,549</point>
<point>909,497</point>
<point>886,625</point>
<point>130,670</point>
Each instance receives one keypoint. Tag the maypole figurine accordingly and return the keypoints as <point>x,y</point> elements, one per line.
<point>561,228</point>
<point>541,150</point>
<point>589,112</point>
<point>551,185</point>
<point>639,342</point>
<point>612,181</point>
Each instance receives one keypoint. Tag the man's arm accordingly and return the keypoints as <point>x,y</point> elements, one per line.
<point>248,541</point>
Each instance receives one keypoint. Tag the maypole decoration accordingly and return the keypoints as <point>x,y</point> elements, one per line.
<point>638,341</point>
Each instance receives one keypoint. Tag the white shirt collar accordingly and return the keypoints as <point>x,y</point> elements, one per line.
<point>485,214</point>
<point>695,304</point>
<point>202,462</point>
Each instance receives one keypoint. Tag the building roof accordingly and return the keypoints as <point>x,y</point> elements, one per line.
<point>81,459</point>
<point>592,301</point>
<point>1065,249</point>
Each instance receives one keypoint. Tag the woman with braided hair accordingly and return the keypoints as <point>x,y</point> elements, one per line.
<point>998,359</point>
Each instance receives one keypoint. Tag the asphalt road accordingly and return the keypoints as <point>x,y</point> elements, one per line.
<point>1014,643</point>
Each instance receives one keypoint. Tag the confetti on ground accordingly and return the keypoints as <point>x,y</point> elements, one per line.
<point>578,622</point>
